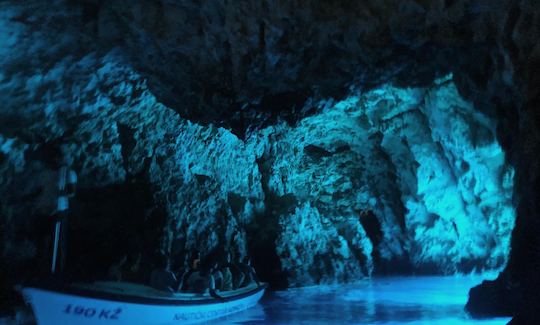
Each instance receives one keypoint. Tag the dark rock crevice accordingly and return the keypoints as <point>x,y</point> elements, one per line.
<point>263,232</point>
<point>372,226</point>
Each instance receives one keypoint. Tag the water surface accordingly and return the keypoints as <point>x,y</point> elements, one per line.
<point>392,300</point>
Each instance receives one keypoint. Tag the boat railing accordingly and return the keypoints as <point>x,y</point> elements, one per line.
<point>140,290</point>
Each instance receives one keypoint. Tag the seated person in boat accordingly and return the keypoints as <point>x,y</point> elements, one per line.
<point>233,276</point>
<point>202,280</point>
<point>189,266</point>
<point>115,270</point>
<point>237,274</point>
<point>217,274</point>
<point>249,273</point>
<point>133,268</point>
<point>162,278</point>
<point>218,278</point>
<point>227,277</point>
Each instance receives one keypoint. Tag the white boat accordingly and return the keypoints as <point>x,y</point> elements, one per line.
<point>129,303</point>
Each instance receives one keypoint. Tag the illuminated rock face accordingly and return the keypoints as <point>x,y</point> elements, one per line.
<point>420,159</point>
<point>395,176</point>
<point>131,90</point>
<point>390,180</point>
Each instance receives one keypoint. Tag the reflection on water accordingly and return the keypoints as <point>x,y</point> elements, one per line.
<point>396,300</point>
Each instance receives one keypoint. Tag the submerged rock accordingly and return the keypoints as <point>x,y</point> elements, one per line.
<point>497,295</point>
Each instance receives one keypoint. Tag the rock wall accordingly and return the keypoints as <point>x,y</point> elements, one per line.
<point>229,103</point>
<point>422,161</point>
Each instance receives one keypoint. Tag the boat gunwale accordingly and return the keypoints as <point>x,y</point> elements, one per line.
<point>131,298</point>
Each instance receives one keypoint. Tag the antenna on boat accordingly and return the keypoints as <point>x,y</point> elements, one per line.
<point>66,189</point>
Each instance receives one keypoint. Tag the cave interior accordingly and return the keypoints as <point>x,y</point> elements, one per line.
<point>329,140</point>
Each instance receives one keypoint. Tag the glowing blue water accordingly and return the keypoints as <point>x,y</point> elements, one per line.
<point>396,300</point>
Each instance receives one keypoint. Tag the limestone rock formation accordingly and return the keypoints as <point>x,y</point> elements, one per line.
<point>233,125</point>
<point>420,159</point>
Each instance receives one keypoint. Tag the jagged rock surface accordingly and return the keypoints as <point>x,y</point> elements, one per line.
<point>116,83</point>
<point>421,160</point>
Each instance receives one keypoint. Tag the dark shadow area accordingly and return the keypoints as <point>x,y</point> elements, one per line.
<point>372,226</point>
<point>261,240</point>
<point>110,222</point>
<point>263,231</point>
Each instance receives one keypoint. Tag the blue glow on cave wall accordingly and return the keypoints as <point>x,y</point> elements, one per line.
<point>422,160</point>
<point>388,175</point>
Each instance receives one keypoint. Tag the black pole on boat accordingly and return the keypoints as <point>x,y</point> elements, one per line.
<point>66,189</point>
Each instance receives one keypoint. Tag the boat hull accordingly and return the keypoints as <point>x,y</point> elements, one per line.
<point>52,307</point>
